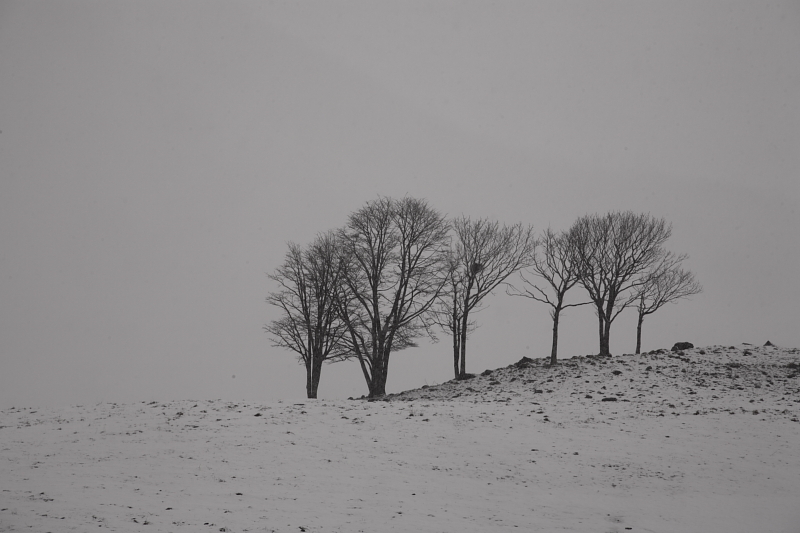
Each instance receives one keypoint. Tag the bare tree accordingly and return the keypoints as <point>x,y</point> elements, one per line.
<point>614,251</point>
<point>309,324</point>
<point>556,264</point>
<point>395,257</point>
<point>667,283</point>
<point>449,310</point>
<point>483,256</point>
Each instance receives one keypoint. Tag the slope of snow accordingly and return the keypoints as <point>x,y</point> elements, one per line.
<point>695,442</point>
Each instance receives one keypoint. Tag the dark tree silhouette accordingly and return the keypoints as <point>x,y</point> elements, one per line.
<point>556,265</point>
<point>395,265</point>
<point>668,283</point>
<point>614,251</point>
<point>449,310</point>
<point>309,324</point>
<point>483,256</point>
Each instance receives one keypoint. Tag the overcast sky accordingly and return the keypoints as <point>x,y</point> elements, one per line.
<point>156,158</point>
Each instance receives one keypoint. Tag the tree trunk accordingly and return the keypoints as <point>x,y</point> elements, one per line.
<point>463,343</point>
<point>455,329</point>
<point>554,349</point>
<point>605,340</point>
<point>601,330</point>
<point>309,376</point>
<point>639,334</point>
<point>377,385</point>
<point>385,374</point>
<point>456,351</point>
<point>316,373</point>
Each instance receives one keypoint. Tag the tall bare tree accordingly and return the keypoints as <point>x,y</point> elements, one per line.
<point>310,324</point>
<point>395,256</point>
<point>483,256</point>
<point>668,283</point>
<point>556,265</point>
<point>614,251</point>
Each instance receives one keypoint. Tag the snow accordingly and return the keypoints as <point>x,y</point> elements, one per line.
<point>700,442</point>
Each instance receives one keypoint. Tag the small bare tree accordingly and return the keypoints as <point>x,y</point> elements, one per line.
<point>614,251</point>
<point>449,310</point>
<point>483,256</point>
<point>395,257</point>
<point>556,264</point>
<point>668,283</point>
<point>309,324</point>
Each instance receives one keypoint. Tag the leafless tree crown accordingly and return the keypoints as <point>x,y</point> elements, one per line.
<point>395,257</point>
<point>665,283</point>
<point>614,252</point>
<point>483,255</point>
<point>309,322</point>
<point>554,271</point>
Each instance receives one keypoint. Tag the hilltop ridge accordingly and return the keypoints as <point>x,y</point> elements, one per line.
<point>694,381</point>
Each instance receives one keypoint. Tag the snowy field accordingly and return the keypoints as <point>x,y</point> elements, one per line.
<point>691,442</point>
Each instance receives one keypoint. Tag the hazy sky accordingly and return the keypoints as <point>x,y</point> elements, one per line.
<point>156,157</point>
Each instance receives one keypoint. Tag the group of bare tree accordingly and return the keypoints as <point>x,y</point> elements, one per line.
<point>399,270</point>
<point>394,273</point>
<point>619,259</point>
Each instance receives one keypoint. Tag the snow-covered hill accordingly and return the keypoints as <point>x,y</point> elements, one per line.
<point>707,440</point>
<point>697,381</point>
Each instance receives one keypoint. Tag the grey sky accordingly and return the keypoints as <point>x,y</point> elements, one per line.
<point>156,157</point>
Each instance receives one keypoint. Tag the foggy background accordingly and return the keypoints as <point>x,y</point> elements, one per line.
<point>156,158</point>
